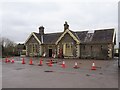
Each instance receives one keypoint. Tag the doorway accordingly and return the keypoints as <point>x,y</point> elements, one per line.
<point>50,52</point>
<point>68,49</point>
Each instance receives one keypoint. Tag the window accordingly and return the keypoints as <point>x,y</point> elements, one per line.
<point>36,47</point>
<point>31,49</point>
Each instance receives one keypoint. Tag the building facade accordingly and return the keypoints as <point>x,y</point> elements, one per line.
<point>72,44</point>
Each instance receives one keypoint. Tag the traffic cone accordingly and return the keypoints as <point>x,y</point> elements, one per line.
<point>76,66</point>
<point>12,61</point>
<point>50,63</point>
<point>93,66</point>
<point>23,61</point>
<point>30,63</point>
<point>63,64</point>
<point>6,60</point>
<point>40,64</point>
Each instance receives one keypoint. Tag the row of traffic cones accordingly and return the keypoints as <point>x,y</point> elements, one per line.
<point>50,63</point>
<point>7,60</point>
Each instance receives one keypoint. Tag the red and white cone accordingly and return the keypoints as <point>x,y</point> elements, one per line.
<point>30,63</point>
<point>63,64</point>
<point>76,66</point>
<point>93,66</point>
<point>23,61</point>
<point>50,63</point>
<point>40,64</point>
<point>12,61</point>
<point>6,60</point>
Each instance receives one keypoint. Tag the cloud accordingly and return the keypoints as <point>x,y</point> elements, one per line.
<point>19,19</point>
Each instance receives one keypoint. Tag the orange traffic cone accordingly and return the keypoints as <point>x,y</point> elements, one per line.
<point>12,61</point>
<point>40,64</point>
<point>30,63</point>
<point>93,66</point>
<point>23,61</point>
<point>76,66</point>
<point>6,60</point>
<point>63,64</point>
<point>50,63</point>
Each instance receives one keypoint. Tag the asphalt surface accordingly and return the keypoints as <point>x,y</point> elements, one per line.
<point>17,75</point>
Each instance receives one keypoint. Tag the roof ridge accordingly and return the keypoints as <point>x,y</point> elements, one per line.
<point>104,29</point>
<point>54,33</point>
<point>49,33</point>
<point>80,31</point>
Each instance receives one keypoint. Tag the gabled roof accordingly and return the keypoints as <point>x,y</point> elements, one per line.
<point>71,33</point>
<point>38,36</point>
<point>35,36</point>
<point>99,36</point>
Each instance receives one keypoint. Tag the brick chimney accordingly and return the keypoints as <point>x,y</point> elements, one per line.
<point>41,32</point>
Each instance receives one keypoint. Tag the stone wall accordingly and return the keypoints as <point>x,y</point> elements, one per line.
<point>32,47</point>
<point>95,51</point>
<point>67,40</point>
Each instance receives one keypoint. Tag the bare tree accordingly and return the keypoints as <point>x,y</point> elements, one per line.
<point>7,42</point>
<point>8,46</point>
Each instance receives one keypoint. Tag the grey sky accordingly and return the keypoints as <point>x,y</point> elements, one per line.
<point>19,19</point>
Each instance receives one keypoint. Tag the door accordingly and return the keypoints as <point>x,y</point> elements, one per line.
<point>69,50</point>
<point>50,52</point>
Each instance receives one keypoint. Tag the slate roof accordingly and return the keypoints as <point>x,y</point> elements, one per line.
<point>99,36</point>
<point>38,36</point>
<point>103,36</point>
<point>20,46</point>
<point>49,38</point>
<point>81,35</point>
<point>88,38</point>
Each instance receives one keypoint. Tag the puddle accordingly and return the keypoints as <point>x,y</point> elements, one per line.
<point>101,73</point>
<point>19,68</point>
<point>87,75</point>
<point>48,71</point>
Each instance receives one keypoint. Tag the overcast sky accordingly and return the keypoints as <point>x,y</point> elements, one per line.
<point>21,18</point>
